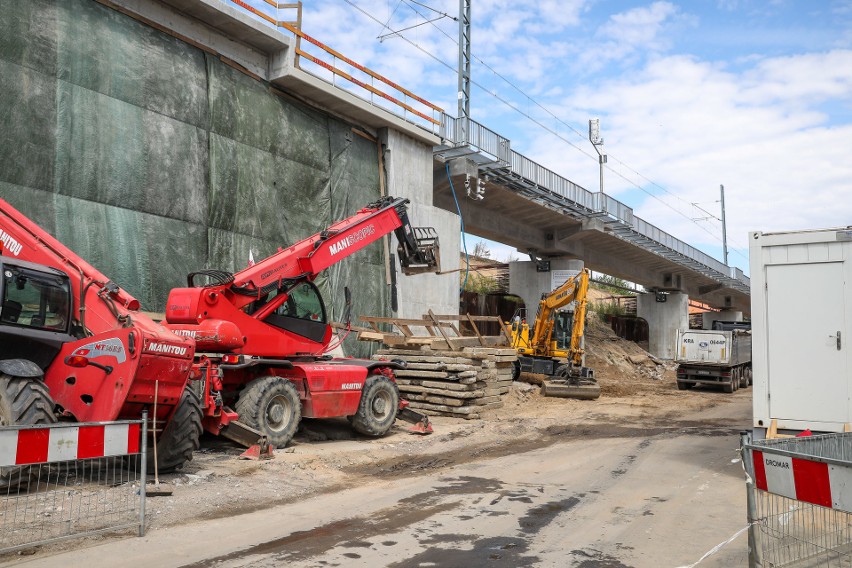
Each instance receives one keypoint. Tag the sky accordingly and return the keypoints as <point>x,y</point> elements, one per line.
<point>753,95</point>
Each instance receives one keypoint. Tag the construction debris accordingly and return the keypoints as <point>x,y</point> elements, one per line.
<point>453,383</point>
<point>442,332</point>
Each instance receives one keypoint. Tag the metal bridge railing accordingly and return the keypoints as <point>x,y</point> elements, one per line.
<point>632,228</point>
<point>383,93</point>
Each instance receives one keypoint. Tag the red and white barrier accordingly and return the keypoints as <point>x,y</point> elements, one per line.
<point>64,442</point>
<point>804,480</point>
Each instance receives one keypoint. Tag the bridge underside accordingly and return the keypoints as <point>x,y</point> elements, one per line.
<point>542,227</point>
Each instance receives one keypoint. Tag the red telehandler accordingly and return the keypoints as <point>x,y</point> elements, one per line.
<point>73,346</point>
<point>262,336</point>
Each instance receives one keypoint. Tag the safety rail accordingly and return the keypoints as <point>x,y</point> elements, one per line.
<point>587,203</point>
<point>294,27</point>
<point>61,481</point>
<point>471,133</point>
<point>799,501</point>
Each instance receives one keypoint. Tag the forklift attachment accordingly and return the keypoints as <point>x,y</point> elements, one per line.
<point>421,422</point>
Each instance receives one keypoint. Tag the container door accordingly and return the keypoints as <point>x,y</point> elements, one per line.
<point>807,371</point>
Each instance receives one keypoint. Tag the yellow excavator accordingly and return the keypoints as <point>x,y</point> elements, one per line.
<point>553,344</point>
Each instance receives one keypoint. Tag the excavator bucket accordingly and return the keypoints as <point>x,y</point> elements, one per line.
<point>420,252</point>
<point>567,389</point>
<point>576,382</point>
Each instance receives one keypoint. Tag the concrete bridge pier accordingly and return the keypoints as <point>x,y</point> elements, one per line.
<point>529,281</point>
<point>665,314</point>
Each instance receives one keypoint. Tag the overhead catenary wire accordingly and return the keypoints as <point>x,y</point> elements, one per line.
<point>543,126</point>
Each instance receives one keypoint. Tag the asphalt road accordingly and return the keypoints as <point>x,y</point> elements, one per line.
<point>621,497</point>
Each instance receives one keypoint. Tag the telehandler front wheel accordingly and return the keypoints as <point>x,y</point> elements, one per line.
<point>181,437</point>
<point>378,407</point>
<point>272,406</point>
<point>24,401</point>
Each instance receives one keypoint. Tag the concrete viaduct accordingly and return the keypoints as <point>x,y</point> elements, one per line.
<point>527,206</point>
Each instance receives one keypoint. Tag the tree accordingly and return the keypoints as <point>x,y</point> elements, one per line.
<point>480,250</point>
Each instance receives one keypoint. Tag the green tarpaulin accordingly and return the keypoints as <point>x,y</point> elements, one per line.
<point>151,158</point>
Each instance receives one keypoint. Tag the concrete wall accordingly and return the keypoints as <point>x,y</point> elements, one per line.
<point>529,284</point>
<point>408,173</point>
<point>664,319</point>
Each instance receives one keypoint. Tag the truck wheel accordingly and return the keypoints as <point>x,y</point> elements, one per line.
<point>683,386</point>
<point>743,378</point>
<point>24,401</point>
<point>181,437</point>
<point>378,407</point>
<point>750,376</point>
<point>729,386</point>
<point>272,406</point>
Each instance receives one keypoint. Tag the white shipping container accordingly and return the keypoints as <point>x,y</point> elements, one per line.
<point>801,329</point>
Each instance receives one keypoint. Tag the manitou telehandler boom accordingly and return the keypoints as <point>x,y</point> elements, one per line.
<point>262,335</point>
<point>74,346</point>
<point>554,345</point>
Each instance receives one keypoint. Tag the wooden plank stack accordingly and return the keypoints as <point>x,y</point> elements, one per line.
<point>453,383</point>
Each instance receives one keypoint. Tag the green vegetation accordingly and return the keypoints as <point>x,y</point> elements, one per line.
<point>607,308</point>
<point>481,284</point>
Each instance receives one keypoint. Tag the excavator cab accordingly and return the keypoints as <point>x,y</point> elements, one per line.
<point>562,326</point>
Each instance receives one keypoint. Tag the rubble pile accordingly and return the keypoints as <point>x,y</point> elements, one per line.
<point>453,383</point>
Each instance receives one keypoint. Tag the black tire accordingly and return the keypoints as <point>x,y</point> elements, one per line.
<point>750,376</point>
<point>272,406</point>
<point>516,370</point>
<point>24,401</point>
<point>683,386</point>
<point>181,437</point>
<point>743,377</point>
<point>729,386</point>
<point>378,407</point>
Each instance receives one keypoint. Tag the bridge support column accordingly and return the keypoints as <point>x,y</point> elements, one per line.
<point>407,170</point>
<point>529,283</point>
<point>664,319</point>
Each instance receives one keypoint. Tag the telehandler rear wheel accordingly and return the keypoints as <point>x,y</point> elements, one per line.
<point>24,401</point>
<point>272,406</point>
<point>181,437</point>
<point>378,407</point>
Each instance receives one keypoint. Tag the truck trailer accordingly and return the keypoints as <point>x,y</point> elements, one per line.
<point>717,357</point>
<point>801,323</point>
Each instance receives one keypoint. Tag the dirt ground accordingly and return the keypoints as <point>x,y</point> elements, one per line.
<point>327,456</point>
<point>638,392</point>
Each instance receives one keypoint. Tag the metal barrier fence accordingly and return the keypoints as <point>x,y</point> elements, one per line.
<point>799,493</point>
<point>68,480</point>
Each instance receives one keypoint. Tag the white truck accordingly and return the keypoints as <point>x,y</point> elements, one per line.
<point>717,357</point>
<point>801,323</point>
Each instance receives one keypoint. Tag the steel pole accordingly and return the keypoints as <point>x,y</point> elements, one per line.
<point>754,560</point>
<point>724,226</point>
<point>143,473</point>
<point>464,67</point>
